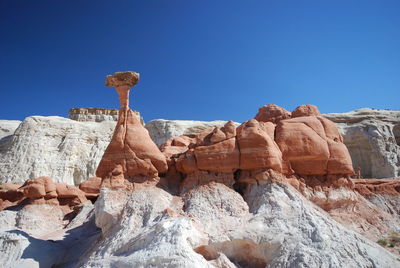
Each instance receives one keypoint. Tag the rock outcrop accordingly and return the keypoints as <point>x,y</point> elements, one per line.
<point>64,149</point>
<point>96,114</point>
<point>70,151</point>
<point>161,130</point>
<point>41,190</point>
<point>93,114</point>
<point>131,155</point>
<point>7,128</point>
<point>273,192</point>
<point>373,139</point>
<point>305,145</point>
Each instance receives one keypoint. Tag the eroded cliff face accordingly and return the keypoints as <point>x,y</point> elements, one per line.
<point>373,139</point>
<point>64,149</point>
<point>44,145</point>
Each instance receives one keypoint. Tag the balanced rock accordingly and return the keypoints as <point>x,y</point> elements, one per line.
<point>131,154</point>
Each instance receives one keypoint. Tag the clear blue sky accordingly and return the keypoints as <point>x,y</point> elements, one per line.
<point>199,60</point>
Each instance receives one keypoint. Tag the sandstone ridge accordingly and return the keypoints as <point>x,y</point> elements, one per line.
<point>303,144</point>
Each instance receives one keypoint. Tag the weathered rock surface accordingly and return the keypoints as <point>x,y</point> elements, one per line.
<point>64,149</point>
<point>213,226</point>
<point>40,149</point>
<point>41,190</point>
<point>7,128</point>
<point>93,114</point>
<point>161,130</point>
<point>96,114</point>
<point>304,145</point>
<point>373,139</point>
<point>131,155</point>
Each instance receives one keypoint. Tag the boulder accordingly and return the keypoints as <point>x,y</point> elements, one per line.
<point>272,113</point>
<point>91,187</point>
<point>257,147</point>
<point>306,110</point>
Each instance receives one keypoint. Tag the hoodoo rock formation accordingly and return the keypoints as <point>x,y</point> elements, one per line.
<point>275,191</point>
<point>306,144</point>
<point>131,154</point>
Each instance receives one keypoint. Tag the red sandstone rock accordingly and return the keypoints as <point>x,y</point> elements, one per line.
<point>306,145</point>
<point>176,145</point>
<point>339,161</point>
<point>221,157</point>
<point>272,113</point>
<point>42,190</point>
<point>39,187</point>
<point>186,163</point>
<point>131,150</point>
<point>91,187</point>
<point>313,146</point>
<point>306,110</point>
<point>370,187</point>
<point>257,147</point>
<point>303,142</point>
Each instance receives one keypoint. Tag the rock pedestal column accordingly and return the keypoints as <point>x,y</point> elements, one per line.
<point>123,81</point>
<point>131,155</point>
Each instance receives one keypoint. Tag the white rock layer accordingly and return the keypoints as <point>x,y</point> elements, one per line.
<point>7,128</point>
<point>64,149</point>
<point>161,130</point>
<point>373,139</point>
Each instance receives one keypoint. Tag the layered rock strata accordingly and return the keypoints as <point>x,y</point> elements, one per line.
<point>93,114</point>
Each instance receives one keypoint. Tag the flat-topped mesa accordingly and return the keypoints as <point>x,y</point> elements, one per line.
<point>131,155</point>
<point>123,81</point>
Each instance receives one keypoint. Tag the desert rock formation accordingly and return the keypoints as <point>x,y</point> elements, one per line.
<point>275,191</point>
<point>305,145</point>
<point>370,136</point>
<point>373,139</point>
<point>131,154</point>
<point>93,114</point>
<point>57,147</point>
<point>161,130</point>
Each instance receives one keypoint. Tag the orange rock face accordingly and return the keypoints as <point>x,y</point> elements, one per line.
<point>91,187</point>
<point>257,146</point>
<point>131,150</point>
<point>306,110</point>
<point>313,146</point>
<point>272,113</point>
<point>42,190</point>
<point>300,142</point>
<point>131,154</point>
